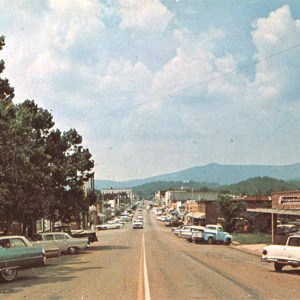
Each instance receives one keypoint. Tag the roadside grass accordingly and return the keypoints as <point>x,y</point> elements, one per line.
<point>252,238</point>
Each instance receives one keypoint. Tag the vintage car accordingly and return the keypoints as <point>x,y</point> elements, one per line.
<point>137,225</point>
<point>283,255</point>
<point>110,225</point>
<point>17,252</point>
<point>61,240</point>
<point>77,233</point>
<point>215,234</point>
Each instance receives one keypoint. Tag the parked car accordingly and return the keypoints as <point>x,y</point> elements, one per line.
<point>137,225</point>
<point>186,231</point>
<point>77,233</point>
<point>196,231</point>
<point>112,225</point>
<point>174,223</point>
<point>17,252</point>
<point>215,234</point>
<point>62,240</point>
<point>283,255</point>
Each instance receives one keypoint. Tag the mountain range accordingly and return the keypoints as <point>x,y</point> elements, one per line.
<point>213,173</point>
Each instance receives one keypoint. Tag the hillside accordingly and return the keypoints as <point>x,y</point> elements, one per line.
<point>213,173</point>
<point>252,186</point>
<point>261,186</point>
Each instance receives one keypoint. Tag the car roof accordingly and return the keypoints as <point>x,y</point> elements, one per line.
<point>11,236</point>
<point>51,232</point>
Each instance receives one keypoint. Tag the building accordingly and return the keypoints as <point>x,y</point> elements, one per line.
<point>285,208</point>
<point>116,199</point>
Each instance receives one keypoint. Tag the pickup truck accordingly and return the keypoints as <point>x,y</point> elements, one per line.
<point>212,234</point>
<point>283,255</point>
<point>17,252</point>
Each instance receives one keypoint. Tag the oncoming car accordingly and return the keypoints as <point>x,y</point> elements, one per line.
<point>137,225</point>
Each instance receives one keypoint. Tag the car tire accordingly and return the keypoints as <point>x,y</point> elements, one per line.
<point>210,241</point>
<point>278,267</point>
<point>228,242</point>
<point>73,250</point>
<point>8,275</point>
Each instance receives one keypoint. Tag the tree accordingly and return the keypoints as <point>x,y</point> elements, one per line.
<point>7,114</point>
<point>231,211</point>
<point>71,166</point>
<point>28,178</point>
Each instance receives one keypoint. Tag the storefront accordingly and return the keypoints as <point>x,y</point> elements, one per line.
<point>286,209</point>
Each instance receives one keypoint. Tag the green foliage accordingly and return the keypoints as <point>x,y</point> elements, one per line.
<point>261,186</point>
<point>252,238</point>
<point>231,211</point>
<point>147,190</point>
<point>42,170</point>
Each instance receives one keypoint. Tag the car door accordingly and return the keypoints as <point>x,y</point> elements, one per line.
<point>61,241</point>
<point>20,252</point>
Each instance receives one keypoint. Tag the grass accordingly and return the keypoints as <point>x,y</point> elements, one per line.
<point>252,238</point>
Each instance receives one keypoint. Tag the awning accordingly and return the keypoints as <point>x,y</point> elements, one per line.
<point>196,215</point>
<point>278,211</point>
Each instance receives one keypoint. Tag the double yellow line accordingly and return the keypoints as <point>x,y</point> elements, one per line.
<point>143,283</point>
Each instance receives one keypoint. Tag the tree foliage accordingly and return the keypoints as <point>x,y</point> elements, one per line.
<point>231,211</point>
<point>42,170</point>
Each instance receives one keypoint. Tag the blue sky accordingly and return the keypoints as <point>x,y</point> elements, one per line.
<point>158,86</point>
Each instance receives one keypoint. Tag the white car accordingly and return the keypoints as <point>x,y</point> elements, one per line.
<point>137,225</point>
<point>61,240</point>
<point>106,226</point>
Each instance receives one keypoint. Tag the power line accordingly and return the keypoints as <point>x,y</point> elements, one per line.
<point>169,95</point>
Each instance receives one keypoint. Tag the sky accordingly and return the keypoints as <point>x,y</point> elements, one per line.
<point>157,86</point>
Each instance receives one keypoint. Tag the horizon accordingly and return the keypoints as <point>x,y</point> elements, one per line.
<point>155,86</point>
<point>199,166</point>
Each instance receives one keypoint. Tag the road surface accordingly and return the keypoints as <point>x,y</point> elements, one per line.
<point>152,263</point>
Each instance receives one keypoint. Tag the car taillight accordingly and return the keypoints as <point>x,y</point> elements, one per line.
<point>265,252</point>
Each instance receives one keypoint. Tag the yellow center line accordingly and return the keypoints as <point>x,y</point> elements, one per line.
<point>140,295</point>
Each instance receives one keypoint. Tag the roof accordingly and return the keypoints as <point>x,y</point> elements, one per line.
<point>257,198</point>
<point>294,212</point>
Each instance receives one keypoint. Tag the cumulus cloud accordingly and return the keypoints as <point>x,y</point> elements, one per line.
<point>146,14</point>
<point>97,62</point>
<point>277,77</point>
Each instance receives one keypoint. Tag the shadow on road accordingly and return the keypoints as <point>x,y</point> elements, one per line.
<point>61,270</point>
<point>108,247</point>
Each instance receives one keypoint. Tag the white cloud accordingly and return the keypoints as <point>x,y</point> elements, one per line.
<point>144,14</point>
<point>277,77</point>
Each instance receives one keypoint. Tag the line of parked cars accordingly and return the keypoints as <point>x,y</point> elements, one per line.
<point>115,224</point>
<point>17,252</point>
<point>209,234</point>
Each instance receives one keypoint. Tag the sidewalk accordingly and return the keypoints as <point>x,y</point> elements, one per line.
<point>253,248</point>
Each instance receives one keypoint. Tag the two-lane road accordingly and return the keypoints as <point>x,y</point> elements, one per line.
<point>152,263</point>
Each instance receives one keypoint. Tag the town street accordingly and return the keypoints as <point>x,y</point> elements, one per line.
<point>152,263</point>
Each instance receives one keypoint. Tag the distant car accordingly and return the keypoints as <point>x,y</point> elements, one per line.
<point>107,226</point>
<point>63,241</point>
<point>137,225</point>
<point>17,252</point>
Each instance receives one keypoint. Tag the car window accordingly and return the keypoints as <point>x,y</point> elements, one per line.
<point>49,237</point>
<point>5,243</point>
<point>17,243</point>
<point>60,237</point>
<point>37,237</point>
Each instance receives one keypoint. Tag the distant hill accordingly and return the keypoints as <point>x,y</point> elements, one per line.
<point>147,190</point>
<point>261,186</point>
<point>213,173</point>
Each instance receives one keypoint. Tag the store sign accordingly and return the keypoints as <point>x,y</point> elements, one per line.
<point>289,200</point>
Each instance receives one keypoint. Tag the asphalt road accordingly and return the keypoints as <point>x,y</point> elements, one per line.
<point>153,264</point>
